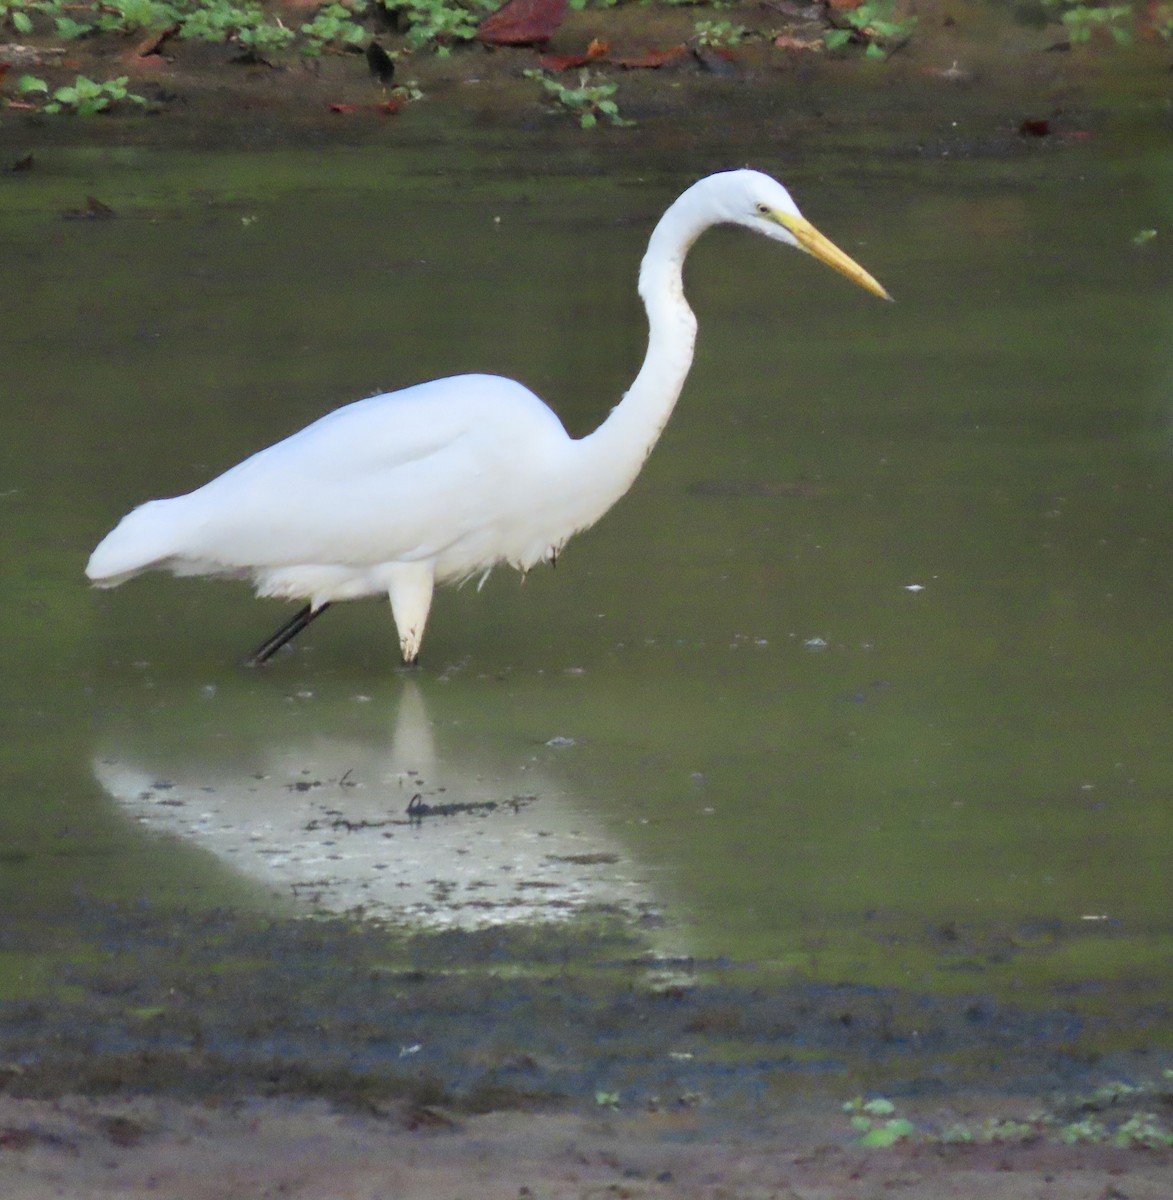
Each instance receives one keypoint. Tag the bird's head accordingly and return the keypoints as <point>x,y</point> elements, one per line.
<point>757,202</point>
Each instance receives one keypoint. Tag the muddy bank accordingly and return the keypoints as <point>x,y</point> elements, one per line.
<point>220,1006</point>
<point>87,1149</point>
<point>1018,77</point>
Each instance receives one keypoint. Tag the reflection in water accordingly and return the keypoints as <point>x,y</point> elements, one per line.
<point>392,830</point>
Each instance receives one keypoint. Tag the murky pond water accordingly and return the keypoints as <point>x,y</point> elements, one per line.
<point>867,679</point>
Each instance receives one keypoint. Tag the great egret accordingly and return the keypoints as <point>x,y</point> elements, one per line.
<point>444,480</point>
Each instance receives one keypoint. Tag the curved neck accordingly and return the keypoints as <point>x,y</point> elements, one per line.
<point>614,453</point>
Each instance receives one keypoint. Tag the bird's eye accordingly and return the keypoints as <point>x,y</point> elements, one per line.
<point>764,209</point>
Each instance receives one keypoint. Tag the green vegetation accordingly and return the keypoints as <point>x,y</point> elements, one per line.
<point>875,23</point>
<point>14,14</point>
<point>1118,23</point>
<point>441,24</point>
<point>1116,1114</point>
<point>880,27</point>
<point>719,34</point>
<point>83,98</point>
<point>337,25</point>
<point>876,1122</point>
<point>334,25</point>
<point>1082,20</point>
<point>589,101</point>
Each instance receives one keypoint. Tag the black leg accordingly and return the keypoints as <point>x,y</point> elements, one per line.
<point>286,633</point>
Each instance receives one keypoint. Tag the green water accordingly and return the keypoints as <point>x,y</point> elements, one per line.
<point>780,748</point>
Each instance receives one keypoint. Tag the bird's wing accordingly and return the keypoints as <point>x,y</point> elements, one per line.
<point>398,476</point>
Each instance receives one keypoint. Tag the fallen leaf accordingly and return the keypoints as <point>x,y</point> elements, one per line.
<point>651,59</point>
<point>563,62</point>
<point>342,108</point>
<point>596,51</point>
<point>146,62</point>
<point>522,22</point>
<point>151,43</point>
<point>1035,127</point>
<point>785,42</point>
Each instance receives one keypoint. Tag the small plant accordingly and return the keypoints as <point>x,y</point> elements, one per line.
<point>876,1122</point>
<point>15,14</point>
<point>589,101</point>
<point>1082,20</point>
<point>84,97</point>
<point>333,25</point>
<point>1144,1131</point>
<point>877,24</point>
<point>718,35</point>
<point>1112,1115</point>
<point>248,26</point>
<point>440,23</point>
<point>127,16</point>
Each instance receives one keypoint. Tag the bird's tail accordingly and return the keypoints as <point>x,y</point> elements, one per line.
<point>144,538</point>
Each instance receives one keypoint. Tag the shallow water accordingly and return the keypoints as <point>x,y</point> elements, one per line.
<point>867,677</point>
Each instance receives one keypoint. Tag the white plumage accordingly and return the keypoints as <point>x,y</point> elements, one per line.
<point>394,494</point>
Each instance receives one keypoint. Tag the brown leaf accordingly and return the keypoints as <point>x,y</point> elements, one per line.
<point>563,62</point>
<point>151,43</point>
<point>522,22</point>
<point>785,42</point>
<point>650,59</point>
<point>1035,127</point>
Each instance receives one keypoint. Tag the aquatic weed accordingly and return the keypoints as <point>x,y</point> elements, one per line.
<point>589,101</point>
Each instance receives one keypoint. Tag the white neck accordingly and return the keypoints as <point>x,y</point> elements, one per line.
<point>611,457</point>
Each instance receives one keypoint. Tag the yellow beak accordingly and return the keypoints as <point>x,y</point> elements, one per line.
<point>813,242</point>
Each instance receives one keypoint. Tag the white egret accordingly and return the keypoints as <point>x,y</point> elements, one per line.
<point>444,480</point>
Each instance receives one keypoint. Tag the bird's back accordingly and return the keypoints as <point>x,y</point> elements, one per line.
<point>399,475</point>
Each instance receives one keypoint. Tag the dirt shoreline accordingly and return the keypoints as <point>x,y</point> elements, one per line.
<point>970,58</point>
<point>138,1148</point>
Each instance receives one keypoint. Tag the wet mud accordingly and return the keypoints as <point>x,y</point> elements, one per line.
<point>332,1058</point>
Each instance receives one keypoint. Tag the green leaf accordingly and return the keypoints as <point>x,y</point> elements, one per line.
<point>70,29</point>
<point>30,83</point>
<point>22,22</point>
<point>588,120</point>
<point>834,38</point>
<point>888,1134</point>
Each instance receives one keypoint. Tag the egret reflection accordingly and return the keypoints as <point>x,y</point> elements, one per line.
<point>384,824</point>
